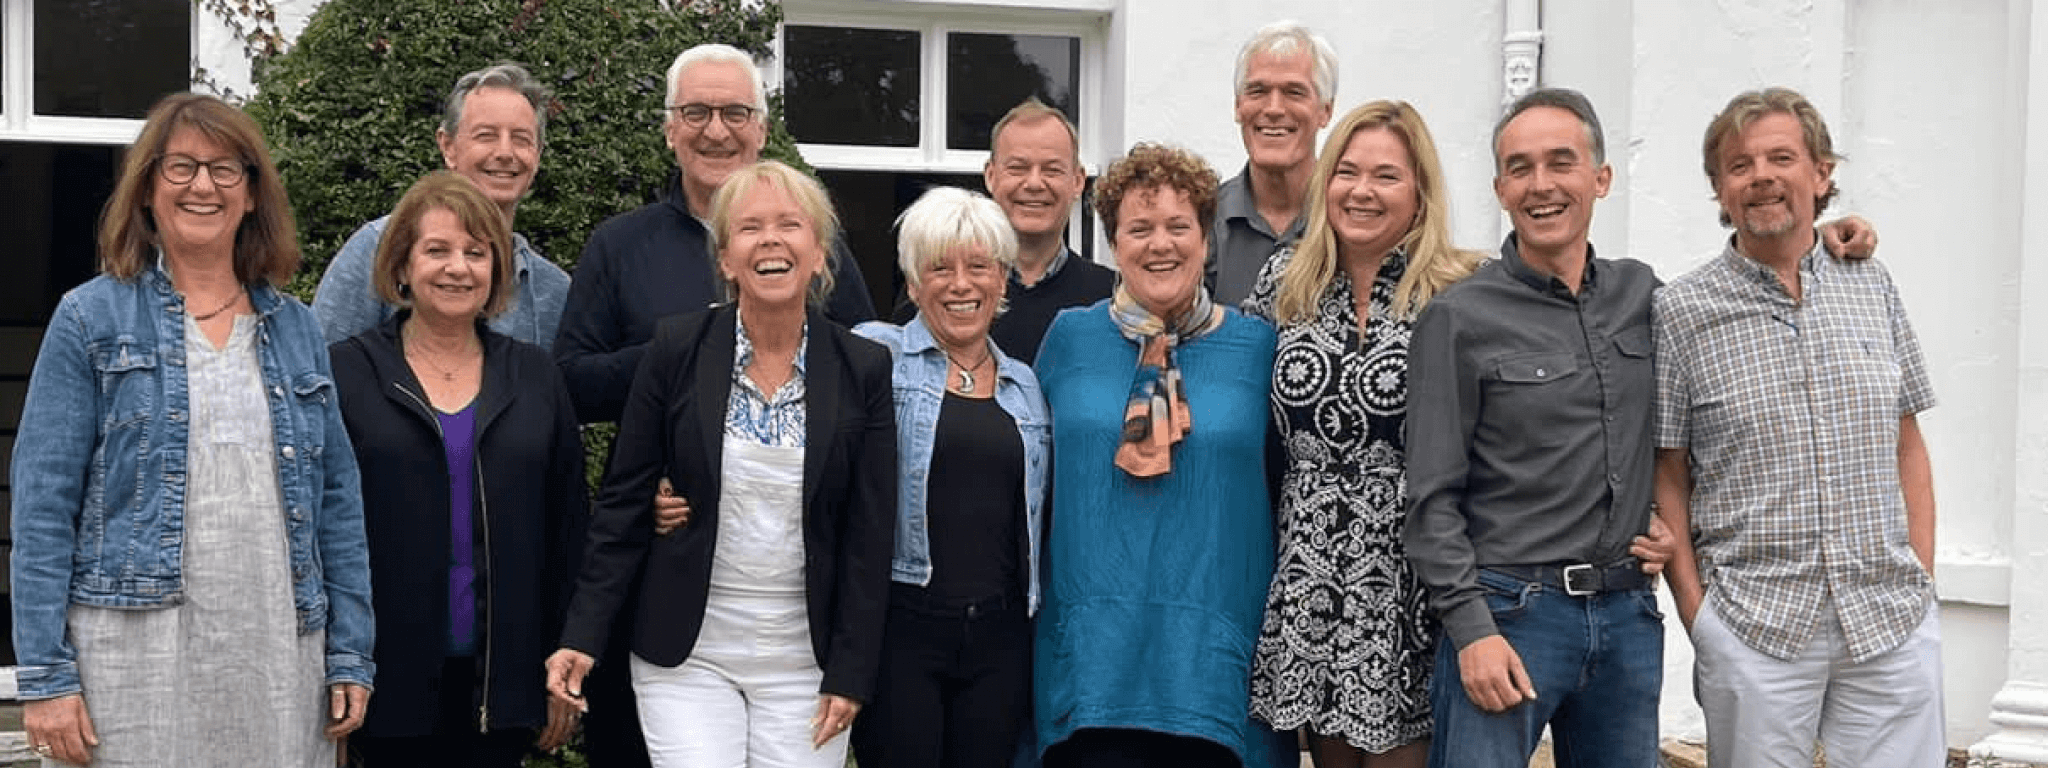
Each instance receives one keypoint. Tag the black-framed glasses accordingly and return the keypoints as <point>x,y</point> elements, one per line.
<point>699,115</point>
<point>182,169</point>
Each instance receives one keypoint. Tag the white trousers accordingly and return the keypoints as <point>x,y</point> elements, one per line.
<point>1767,712</point>
<point>746,695</point>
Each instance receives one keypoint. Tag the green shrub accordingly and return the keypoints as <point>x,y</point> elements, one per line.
<point>350,109</point>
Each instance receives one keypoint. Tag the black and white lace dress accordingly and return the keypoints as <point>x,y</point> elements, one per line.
<point>1347,642</point>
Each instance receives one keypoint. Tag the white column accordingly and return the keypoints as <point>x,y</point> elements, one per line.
<point>2020,710</point>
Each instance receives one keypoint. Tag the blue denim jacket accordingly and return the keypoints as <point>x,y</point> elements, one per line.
<point>99,475</point>
<point>920,385</point>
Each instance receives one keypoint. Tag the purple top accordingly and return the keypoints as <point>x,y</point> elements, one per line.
<point>458,438</point>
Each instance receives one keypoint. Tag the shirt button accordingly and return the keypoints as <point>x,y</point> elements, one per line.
<point>1614,478</point>
<point>1540,373</point>
<point>1610,418</point>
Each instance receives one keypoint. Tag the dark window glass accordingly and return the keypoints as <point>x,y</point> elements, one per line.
<point>851,86</point>
<point>110,58</point>
<point>986,75</point>
<point>868,203</point>
<point>53,194</point>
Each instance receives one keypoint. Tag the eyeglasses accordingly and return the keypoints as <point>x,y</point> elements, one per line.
<point>182,169</point>
<point>699,115</point>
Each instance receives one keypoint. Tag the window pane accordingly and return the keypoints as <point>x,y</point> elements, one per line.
<point>851,86</point>
<point>868,203</point>
<point>78,72</point>
<point>986,75</point>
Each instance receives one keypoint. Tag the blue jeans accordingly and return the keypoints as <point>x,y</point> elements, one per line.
<point>1596,663</point>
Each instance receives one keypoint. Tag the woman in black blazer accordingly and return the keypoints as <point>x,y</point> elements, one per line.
<point>459,428</point>
<point>758,626</point>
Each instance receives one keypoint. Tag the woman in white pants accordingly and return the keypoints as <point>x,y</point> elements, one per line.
<point>757,626</point>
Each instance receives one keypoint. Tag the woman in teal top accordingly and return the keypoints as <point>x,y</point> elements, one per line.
<point>1162,541</point>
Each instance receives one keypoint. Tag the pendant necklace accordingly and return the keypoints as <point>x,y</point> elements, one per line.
<point>966,385</point>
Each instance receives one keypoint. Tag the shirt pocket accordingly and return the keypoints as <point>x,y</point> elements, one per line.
<point>1524,395</point>
<point>128,382</point>
<point>312,395</point>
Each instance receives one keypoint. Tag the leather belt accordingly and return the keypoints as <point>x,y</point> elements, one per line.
<point>1581,579</point>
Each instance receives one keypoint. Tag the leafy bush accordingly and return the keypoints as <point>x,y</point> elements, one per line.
<point>351,108</point>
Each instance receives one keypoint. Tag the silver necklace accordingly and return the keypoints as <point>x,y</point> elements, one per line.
<point>966,386</point>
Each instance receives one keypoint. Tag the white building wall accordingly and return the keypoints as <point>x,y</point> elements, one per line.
<point>1929,101</point>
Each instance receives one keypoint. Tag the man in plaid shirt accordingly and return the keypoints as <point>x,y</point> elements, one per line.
<point>1787,388</point>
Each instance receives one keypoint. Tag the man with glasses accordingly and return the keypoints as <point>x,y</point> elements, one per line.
<point>491,132</point>
<point>650,263</point>
<point>656,261</point>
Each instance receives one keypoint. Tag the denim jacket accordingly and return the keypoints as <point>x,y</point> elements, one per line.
<point>99,475</point>
<point>919,381</point>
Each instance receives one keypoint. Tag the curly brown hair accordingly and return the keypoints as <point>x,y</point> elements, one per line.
<point>1152,166</point>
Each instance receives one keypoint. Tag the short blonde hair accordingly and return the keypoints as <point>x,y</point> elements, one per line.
<point>810,197</point>
<point>266,243</point>
<point>481,218</point>
<point>1433,263</point>
<point>946,218</point>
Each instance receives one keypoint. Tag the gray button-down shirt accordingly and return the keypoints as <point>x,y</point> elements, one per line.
<point>1528,427</point>
<point>1241,240</point>
<point>1790,410</point>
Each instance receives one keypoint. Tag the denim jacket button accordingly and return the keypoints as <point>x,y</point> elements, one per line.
<point>288,452</point>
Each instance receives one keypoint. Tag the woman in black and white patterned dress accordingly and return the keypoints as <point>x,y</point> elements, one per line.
<point>1347,642</point>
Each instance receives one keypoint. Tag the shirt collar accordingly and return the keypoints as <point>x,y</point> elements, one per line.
<point>1059,262</point>
<point>743,348</point>
<point>1234,200</point>
<point>1511,259</point>
<point>1814,264</point>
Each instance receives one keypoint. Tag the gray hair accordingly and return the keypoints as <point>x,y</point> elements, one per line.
<point>1556,98</point>
<point>716,52</point>
<point>508,76</point>
<point>945,218</point>
<point>1286,38</point>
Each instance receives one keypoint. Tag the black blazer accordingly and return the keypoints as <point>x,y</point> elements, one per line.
<point>674,426</point>
<point>526,520</point>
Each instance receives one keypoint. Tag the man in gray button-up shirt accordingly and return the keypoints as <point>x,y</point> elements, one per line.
<point>1529,464</point>
<point>1286,82</point>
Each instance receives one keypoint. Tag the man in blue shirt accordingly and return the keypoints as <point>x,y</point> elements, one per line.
<point>491,132</point>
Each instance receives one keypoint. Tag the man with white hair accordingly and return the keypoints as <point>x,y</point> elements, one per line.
<point>653,262</point>
<point>1286,82</point>
<point>491,132</point>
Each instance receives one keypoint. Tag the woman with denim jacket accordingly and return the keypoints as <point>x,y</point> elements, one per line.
<point>975,440</point>
<point>189,563</point>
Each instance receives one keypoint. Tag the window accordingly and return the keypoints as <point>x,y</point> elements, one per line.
<point>62,80</point>
<point>888,100</point>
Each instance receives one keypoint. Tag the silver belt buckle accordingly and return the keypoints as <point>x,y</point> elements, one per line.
<point>1572,580</point>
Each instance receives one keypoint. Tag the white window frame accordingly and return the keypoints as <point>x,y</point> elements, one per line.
<point>1087,20</point>
<point>18,120</point>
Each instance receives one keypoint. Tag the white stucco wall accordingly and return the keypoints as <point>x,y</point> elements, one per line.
<point>1929,101</point>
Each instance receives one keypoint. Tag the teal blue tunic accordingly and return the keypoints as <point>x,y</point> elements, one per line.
<point>1155,588</point>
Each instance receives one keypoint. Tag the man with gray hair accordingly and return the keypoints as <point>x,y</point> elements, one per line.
<point>655,261</point>
<point>492,130</point>
<point>1789,449</point>
<point>1286,82</point>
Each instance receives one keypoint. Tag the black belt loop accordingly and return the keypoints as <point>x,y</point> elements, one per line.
<point>1580,579</point>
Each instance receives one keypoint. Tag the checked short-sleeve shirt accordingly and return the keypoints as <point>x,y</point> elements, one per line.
<point>1791,411</point>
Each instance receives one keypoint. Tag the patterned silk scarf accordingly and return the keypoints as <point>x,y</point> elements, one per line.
<point>1156,415</point>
